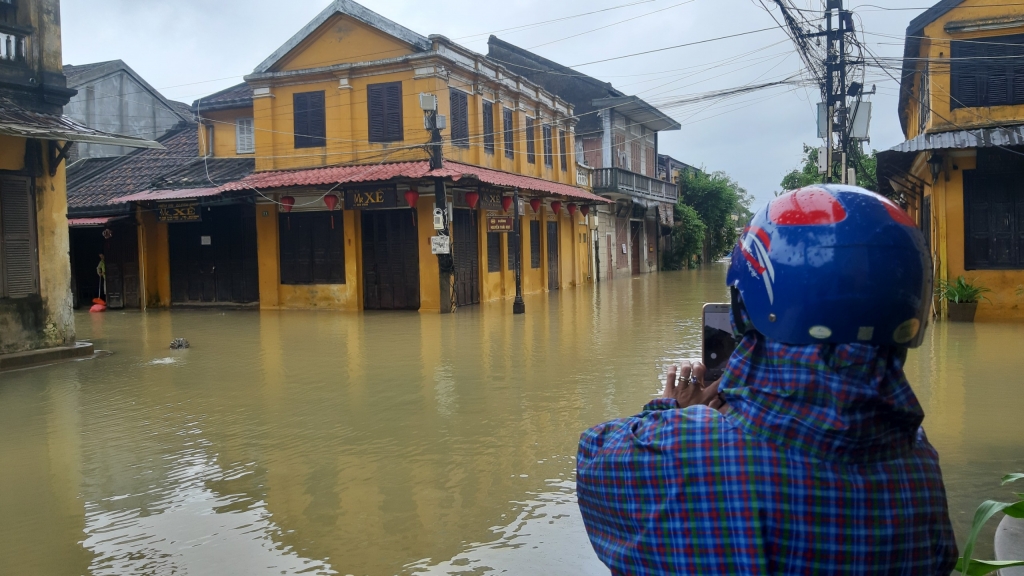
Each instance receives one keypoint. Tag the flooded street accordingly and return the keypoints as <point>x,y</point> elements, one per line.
<point>391,443</point>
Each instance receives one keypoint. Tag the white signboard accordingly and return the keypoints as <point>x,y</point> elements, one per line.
<point>440,245</point>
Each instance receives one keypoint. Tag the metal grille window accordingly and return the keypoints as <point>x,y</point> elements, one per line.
<point>549,157</point>
<point>460,118</point>
<point>534,244</point>
<point>489,127</point>
<point>310,119</point>
<point>312,248</point>
<point>564,152</point>
<point>385,108</point>
<point>987,72</point>
<point>245,136</point>
<point>493,252</point>
<point>531,144</point>
<point>993,221</point>
<point>510,141</point>
<point>19,264</point>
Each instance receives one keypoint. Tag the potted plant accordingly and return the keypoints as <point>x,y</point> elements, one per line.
<point>962,297</point>
<point>967,565</point>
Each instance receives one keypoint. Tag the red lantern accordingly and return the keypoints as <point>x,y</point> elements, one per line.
<point>506,203</point>
<point>585,210</point>
<point>332,202</point>
<point>572,209</point>
<point>556,206</point>
<point>535,204</point>
<point>287,203</point>
<point>412,197</point>
<point>472,198</point>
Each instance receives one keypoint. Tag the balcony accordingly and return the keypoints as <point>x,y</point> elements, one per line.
<point>12,47</point>
<point>619,181</point>
<point>584,176</point>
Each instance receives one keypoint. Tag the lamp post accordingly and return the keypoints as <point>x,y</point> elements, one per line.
<point>519,307</point>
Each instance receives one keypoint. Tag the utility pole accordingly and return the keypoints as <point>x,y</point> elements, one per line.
<point>519,306</point>
<point>445,263</point>
<point>837,88</point>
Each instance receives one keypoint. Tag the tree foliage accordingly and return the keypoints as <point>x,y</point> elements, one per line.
<point>717,199</point>
<point>687,239</point>
<point>807,175</point>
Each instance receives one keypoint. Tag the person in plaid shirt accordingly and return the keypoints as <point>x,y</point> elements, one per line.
<point>808,456</point>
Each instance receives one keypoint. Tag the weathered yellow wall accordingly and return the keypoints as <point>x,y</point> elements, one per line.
<point>342,40</point>
<point>53,320</point>
<point>224,136</point>
<point>430,283</point>
<point>937,48</point>
<point>949,244</point>
<point>154,260</point>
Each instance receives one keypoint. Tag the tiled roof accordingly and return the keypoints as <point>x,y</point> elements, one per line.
<point>201,171</point>
<point>72,72</point>
<point>135,172</point>
<point>415,170</point>
<point>24,123</point>
<point>235,97</point>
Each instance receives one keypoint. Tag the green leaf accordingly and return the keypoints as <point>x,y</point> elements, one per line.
<point>982,567</point>
<point>984,513</point>
<point>1012,478</point>
<point>1015,511</point>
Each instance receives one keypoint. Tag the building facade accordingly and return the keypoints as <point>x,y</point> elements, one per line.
<point>35,138</point>
<point>961,170</point>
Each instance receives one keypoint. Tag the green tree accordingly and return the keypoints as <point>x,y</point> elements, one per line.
<point>865,164</point>
<point>716,198</point>
<point>687,239</point>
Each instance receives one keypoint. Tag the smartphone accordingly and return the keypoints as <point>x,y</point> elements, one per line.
<point>718,343</point>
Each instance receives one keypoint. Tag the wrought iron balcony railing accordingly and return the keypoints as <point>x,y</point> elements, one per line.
<point>621,181</point>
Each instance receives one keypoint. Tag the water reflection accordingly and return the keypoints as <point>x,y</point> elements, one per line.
<point>388,443</point>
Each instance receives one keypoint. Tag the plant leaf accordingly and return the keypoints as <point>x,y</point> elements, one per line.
<point>984,513</point>
<point>1015,511</point>
<point>1012,478</point>
<point>982,567</point>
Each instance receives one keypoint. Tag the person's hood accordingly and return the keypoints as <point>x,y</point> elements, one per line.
<point>849,403</point>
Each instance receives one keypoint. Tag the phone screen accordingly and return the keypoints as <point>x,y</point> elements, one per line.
<point>719,342</point>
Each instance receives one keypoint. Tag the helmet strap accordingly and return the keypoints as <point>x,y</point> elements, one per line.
<point>740,317</point>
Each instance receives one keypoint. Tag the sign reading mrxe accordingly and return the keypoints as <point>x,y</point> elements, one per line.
<point>371,198</point>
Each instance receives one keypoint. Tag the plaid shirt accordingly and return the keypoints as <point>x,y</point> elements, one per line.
<point>818,467</point>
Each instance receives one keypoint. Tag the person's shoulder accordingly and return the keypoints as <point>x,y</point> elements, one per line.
<point>660,429</point>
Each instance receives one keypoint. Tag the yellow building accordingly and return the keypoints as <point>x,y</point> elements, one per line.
<point>961,170</point>
<point>35,299</point>
<point>341,211</point>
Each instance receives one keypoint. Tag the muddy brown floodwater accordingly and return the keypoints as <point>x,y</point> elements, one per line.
<point>378,444</point>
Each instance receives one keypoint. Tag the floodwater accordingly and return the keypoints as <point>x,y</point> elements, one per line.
<point>391,443</point>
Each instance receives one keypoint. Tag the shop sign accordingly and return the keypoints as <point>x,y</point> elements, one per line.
<point>500,224</point>
<point>375,198</point>
<point>490,200</point>
<point>180,212</point>
<point>440,245</point>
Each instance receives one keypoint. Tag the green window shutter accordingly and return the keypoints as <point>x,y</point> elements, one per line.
<point>17,224</point>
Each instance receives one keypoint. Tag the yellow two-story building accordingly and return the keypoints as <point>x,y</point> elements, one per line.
<point>961,170</point>
<point>342,210</point>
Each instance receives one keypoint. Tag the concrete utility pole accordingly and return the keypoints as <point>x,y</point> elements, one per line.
<point>445,263</point>
<point>519,306</point>
<point>837,88</point>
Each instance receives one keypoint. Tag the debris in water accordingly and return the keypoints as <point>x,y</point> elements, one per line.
<point>179,344</point>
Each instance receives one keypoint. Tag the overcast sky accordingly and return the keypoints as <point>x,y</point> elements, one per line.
<point>190,48</point>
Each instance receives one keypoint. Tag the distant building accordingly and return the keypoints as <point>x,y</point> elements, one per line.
<point>114,98</point>
<point>617,138</point>
<point>35,139</point>
<point>671,170</point>
<point>961,171</point>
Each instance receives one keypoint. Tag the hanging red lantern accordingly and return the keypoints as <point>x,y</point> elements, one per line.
<point>585,210</point>
<point>332,202</point>
<point>535,205</point>
<point>556,206</point>
<point>572,209</point>
<point>472,198</point>
<point>506,203</point>
<point>287,203</point>
<point>412,197</point>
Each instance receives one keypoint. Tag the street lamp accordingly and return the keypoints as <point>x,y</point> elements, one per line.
<point>935,163</point>
<point>519,307</point>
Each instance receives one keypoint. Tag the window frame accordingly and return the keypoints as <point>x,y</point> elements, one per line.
<point>976,63</point>
<point>304,136</point>
<point>488,119</point>
<point>288,226</point>
<point>564,144</point>
<point>493,252</point>
<point>508,119</point>
<point>531,140</point>
<point>239,122</point>
<point>549,145</point>
<point>459,108</point>
<point>974,179</point>
<point>392,121</point>
<point>535,246</point>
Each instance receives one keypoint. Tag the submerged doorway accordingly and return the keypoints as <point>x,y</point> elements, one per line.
<point>391,260</point>
<point>552,255</point>
<point>214,261</point>
<point>466,246</point>
<point>636,237</point>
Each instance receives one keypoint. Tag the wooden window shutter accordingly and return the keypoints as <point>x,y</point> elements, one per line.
<point>564,152</point>
<point>493,252</point>
<point>548,147</point>
<point>393,121</point>
<point>18,260</point>
<point>318,118</point>
<point>245,137</point>
<point>510,142</point>
<point>534,244</point>
<point>489,127</point>
<point>300,111</point>
<point>310,119</point>
<point>385,112</point>
<point>377,109</point>
<point>531,144</point>
<point>634,161</point>
<point>460,118</point>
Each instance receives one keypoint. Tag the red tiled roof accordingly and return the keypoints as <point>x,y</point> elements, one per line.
<point>381,172</point>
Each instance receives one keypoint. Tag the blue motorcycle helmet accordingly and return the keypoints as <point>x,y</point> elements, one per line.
<point>833,264</point>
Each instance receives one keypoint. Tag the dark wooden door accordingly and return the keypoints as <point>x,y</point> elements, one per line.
<point>635,240</point>
<point>391,261</point>
<point>553,256</point>
<point>214,261</point>
<point>121,251</point>
<point>467,258</point>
